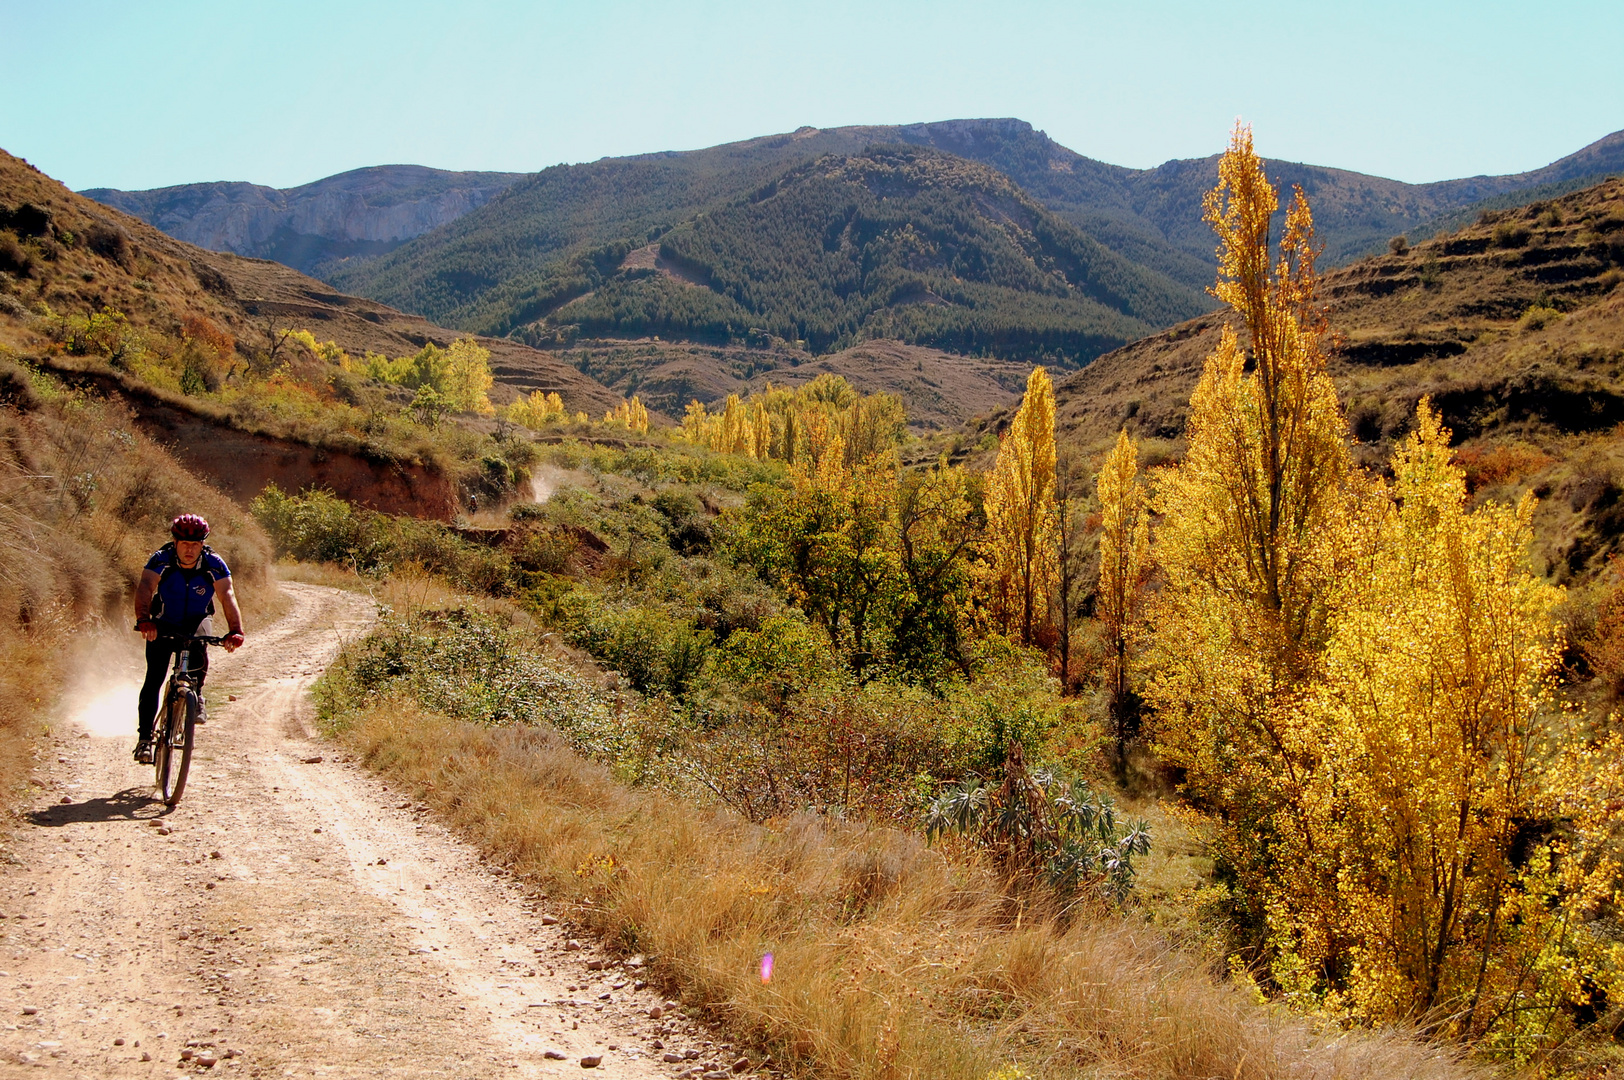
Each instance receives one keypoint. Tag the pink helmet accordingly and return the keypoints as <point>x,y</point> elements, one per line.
<point>189,527</point>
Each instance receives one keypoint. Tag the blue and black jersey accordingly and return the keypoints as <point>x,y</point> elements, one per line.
<point>185,597</point>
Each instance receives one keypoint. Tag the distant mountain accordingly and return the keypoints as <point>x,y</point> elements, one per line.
<point>363,212</point>
<point>481,271</point>
<point>897,242</point>
<point>506,265</point>
<point>1143,212</point>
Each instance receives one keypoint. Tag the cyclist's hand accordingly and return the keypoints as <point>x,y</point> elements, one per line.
<point>233,642</point>
<point>147,629</point>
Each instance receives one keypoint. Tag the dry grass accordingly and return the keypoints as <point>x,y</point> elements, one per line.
<point>891,960</point>
<point>29,663</point>
<point>328,574</point>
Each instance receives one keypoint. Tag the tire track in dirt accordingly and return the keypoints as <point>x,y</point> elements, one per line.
<point>290,917</point>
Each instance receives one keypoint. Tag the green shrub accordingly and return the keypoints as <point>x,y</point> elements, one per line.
<point>656,652</point>
<point>1041,824</point>
<point>473,666</point>
<point>318,526</point>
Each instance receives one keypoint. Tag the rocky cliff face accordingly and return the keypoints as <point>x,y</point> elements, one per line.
<point>363,212</point>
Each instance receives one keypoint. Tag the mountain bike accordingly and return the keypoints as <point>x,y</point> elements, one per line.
<point>173,728</point>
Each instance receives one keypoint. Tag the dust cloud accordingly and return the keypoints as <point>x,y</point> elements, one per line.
<point>100,698</point>
<point>545,481</point>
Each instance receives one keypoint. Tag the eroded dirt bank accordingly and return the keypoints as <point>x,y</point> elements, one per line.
<point>292,916</point>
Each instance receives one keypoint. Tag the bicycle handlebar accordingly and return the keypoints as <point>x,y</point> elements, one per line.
<point>195,638</point>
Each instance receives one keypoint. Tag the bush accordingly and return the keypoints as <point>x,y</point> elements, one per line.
<point>470,665</point>
<point>14,257</point>
<point>1038,824</point>
<point>1537,317</point>
<point>109,241</point>
<point>316,526</point>
<point>1398,245</point>
<point>656,652</point>
<point>1510,234</point>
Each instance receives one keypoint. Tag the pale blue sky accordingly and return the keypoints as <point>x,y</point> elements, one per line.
<point>281,92</point>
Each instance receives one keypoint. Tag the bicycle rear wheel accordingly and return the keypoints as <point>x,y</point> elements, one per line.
<point>181,723</point>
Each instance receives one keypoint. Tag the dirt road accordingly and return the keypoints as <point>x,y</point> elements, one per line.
<point>292,916</point>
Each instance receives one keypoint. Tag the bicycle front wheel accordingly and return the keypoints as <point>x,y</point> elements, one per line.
<point>177,747</point>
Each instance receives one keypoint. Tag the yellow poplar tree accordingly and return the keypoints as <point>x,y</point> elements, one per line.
<point>535,410</point>
<point>1124,557</point>
<point>1256,534</point>
<point>1020,514</point>
<point>1357,685</point>
<point>1434,728</point>
<point>467,380</point>
<point>633,414</point>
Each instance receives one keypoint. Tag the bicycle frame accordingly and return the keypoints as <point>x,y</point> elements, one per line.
<point>180,675</point>
<point>177,716</point>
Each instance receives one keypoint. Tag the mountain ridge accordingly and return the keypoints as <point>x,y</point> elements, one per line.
<point>896,242</point>
<point>1149,215</point>
<point>367,211</point>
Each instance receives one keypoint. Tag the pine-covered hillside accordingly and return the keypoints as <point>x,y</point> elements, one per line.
<point>897,242</point>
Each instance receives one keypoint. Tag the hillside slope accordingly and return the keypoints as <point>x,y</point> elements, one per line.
<point>1514,326</point>
<point>362,212</point>
<point>82,256</point>
<point>895,242</point>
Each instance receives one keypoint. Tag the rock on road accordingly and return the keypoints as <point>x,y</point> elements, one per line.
<point>290,917</point>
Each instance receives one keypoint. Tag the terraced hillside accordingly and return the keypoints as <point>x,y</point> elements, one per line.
<point>78,256</point>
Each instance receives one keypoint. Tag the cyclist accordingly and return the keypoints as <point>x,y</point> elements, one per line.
<point>176,595</point>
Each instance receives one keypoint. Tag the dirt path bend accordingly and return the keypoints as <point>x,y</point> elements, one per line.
<point>291,917</point>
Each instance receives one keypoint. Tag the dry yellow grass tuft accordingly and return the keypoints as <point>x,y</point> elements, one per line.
<point>891,960</point>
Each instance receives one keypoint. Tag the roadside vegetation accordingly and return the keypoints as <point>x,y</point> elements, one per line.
<point>422,409</point>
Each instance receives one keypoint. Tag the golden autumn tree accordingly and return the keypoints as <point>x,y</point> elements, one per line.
<point>1433,729</point>
<point>1021,514</point>
<point>1357,683</point>
<point>799,426</point>
<point>633,414</point>
<point>1255,536</point>
<point>536,410</point>
<point>1124,559</point>
<point>468,379</point>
